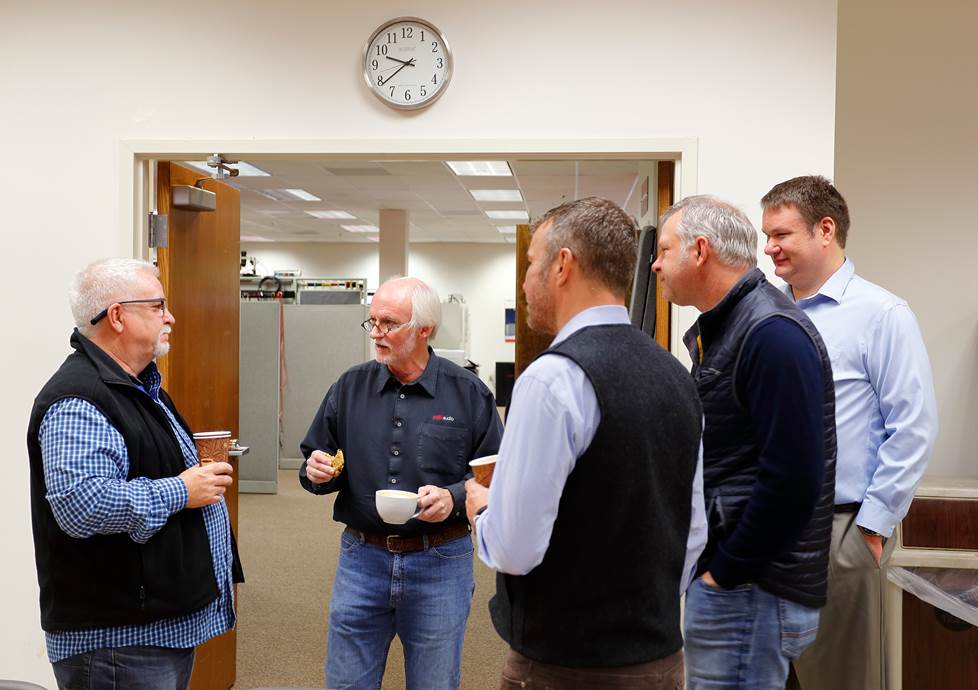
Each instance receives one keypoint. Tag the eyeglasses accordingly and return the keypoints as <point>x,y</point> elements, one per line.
<point>160,303</point>
<point>384,327</point>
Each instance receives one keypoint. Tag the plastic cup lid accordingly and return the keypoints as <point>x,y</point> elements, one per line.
<point>213,434</point>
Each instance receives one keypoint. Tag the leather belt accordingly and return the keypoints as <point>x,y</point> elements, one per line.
<point>847,507</point>
<point>397,544</point>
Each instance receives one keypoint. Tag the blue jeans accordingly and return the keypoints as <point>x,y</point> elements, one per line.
<point>423,597</point>
<point>743,637</point>
<point>126,668</point>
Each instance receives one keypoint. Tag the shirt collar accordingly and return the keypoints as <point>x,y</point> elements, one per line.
<point>428,379</point>
<point>593,316</point>
<point>835,287</point>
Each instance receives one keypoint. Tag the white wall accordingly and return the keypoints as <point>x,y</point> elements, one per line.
<point>484,274</point>
<point>907,163</point>
<point>753,81</point>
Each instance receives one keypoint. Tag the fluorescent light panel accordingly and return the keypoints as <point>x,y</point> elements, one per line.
<point>496,194</point>
<point>255,238</point>
<point>360,228</point>
<point>508,215</point>
<point>244,169</point>
<point>288,194</point>
<point>481,168</point>
<point>506,229</point>
<point>334,215</point>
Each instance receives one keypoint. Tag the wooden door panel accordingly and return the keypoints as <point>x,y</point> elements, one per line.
<point>199,272</point>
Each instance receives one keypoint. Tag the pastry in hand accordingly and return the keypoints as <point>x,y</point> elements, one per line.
<point>337,462</point>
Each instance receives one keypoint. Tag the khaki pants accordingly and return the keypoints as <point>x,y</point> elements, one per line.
<point>662,674</point>
<point>847,653</point>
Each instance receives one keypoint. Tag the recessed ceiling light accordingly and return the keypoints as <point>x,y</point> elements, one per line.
<point>336,215</point>
<point>360,228</point>
<point>255,238</point>
<point>244,169</point>
<point>506,229</point>
<point>373,238</point>
<point>288,194</point>
<point>302,194</point>
<point>490,168</point>
<point>508,215</point>
<point>496,194</point>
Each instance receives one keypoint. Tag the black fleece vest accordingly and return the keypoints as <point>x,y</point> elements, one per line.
<point>730,454</point>
<point>607,590</point>
<point>109,580</point>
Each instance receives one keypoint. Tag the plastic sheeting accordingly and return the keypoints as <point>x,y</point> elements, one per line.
<point>954,590</point>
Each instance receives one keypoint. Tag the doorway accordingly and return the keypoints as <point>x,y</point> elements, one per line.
<point>265,592</point>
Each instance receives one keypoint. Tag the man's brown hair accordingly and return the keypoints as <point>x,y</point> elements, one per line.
<point>600,234</point>
<point>815,198</point>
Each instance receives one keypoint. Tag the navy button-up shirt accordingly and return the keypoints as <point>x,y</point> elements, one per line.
<point>401,436</point>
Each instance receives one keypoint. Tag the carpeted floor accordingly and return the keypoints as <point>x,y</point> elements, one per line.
<point>289,544</point>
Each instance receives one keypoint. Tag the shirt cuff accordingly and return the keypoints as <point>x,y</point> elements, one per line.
<point>173,493</point>
<point>876,518</point>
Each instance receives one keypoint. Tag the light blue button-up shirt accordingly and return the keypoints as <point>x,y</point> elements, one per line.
<point>885,408</point>
<point>553,418</point>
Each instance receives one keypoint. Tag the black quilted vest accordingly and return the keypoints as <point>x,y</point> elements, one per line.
<point>607,590</point>
<point>730,456</point>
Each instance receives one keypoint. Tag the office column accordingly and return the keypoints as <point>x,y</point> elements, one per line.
<point>393,243</point>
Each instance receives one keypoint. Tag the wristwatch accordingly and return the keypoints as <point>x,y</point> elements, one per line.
<point>868,532</point>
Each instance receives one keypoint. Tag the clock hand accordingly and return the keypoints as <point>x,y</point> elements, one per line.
<point>403,62</point>
<point>409,63</point>
<point>396,71</point>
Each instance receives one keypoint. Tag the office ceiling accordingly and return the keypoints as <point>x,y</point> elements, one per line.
<point>440,205</point>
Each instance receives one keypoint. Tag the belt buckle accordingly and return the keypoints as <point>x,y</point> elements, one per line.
<point>388,543</point>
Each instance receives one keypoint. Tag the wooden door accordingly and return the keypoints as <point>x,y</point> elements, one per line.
<point>199,271</point>
<point>529,343</point>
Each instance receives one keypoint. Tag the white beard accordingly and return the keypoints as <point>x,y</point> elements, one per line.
<point>161,348</point>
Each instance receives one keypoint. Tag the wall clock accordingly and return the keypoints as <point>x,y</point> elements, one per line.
<point>407,63</point>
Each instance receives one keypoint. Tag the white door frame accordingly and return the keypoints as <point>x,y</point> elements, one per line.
<point>136,176</point>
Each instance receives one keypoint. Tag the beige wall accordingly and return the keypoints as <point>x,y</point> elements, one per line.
<point>753,82</point>
<point>907,163</point>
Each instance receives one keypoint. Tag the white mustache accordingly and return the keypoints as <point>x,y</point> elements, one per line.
<point>166,330</point>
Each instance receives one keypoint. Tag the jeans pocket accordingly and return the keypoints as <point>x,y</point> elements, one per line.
<point>348,542</point>
<point>74,673</point>
<point>456,548</point>
<point>799,626</point>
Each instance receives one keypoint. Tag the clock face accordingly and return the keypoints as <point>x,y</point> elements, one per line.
<point>407,63</point>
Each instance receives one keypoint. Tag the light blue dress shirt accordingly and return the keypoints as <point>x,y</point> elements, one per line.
<point>885,408</point>
<point>552,421</point>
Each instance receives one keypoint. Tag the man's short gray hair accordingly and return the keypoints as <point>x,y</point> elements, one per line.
<point>728,229</point>
<point>425,304</point>
<point>103,283</point>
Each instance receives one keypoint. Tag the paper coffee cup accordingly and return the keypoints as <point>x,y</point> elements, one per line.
<point>482,469</point>
<point>212,446</point>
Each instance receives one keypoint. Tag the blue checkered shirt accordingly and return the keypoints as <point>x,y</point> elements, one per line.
<point>85,469</point>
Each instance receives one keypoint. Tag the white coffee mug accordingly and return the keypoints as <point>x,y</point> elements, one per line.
<point>396,507</point>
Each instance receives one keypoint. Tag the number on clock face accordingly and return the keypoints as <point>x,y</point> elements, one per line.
<point>407,63</point>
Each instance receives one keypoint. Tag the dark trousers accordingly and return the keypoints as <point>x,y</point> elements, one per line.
<point>126,668</point>
<point>661,674</point>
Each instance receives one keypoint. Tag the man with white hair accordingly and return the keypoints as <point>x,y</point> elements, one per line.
<point>132,540</point>
<point>412,421</point>
<point>765,381</point>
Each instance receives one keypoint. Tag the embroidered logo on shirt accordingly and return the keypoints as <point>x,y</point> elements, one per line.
<point>442,418</point>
